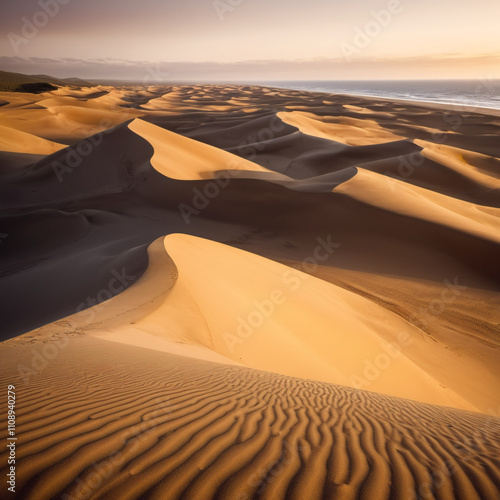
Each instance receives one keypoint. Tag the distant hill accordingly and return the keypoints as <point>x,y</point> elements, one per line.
<point>78,82</point>
<point>18,82</point>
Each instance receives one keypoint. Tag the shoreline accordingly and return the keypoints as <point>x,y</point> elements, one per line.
<point>475,109</point>
<point>433,104</point>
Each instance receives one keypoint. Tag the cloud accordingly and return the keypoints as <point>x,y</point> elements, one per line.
<point>443,66</point>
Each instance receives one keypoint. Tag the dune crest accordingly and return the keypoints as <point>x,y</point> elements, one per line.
<point>413,201</point>
<point>208,300</point>
<point>16,141</point>
<point>181,158</point>
<point>350,131</point>
<point>323,326</point>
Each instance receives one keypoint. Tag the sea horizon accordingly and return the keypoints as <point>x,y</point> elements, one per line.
<point>471,93</point>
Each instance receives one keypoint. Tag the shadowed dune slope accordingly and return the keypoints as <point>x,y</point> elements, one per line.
<point>129,204</point>
<point>265,139</point>
<point>239,292</point>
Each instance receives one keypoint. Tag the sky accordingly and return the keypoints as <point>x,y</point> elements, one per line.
<point>245,40</point>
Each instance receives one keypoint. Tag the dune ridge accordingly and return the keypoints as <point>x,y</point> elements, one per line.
<point>192,298</point>
<point>230,291</point>
<point>181,158</point>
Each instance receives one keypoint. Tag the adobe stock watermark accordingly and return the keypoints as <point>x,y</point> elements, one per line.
<point>406,168</point>
<point>480,436</point>
<point>373,368</point>
<point>440,476</point>
<point>118,282</point>
<point>40,358</point>
<point>248,150</point>
<point>390,351</point>
<point>262,310</point>
<point>363,36</point>
<point>76,154</point>
<point>39,20</point>
<point>466,448</point>
<point>455,119</point>
<point>255,143</point>
<point>267,474</point>
<point>436,307</point>
<point>154,75</point>
<point>211,190</point>
<point>134,436</point>
<point>222,7</point>
<point>452,121</point>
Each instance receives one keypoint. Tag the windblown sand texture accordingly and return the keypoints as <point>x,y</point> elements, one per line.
<point>240,292</point>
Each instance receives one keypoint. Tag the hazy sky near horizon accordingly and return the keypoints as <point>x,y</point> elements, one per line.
<point>330,39</point>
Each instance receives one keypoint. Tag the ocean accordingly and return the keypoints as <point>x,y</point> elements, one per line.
<point>475,93</point>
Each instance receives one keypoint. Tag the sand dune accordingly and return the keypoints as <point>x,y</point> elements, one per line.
<point>67,115</point>
<point>15,141</point>
<point>268,335</point>
<point>261,330</point>
<point>397,196</point>
<point>244,292</point>
<point>158,425</point>
<point>483,169</point>
<point>350,131</point>
<point>180,158</point>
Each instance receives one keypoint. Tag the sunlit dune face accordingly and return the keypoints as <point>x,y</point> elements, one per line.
<point>347,130</point>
